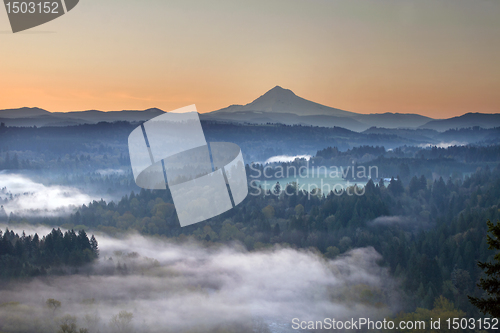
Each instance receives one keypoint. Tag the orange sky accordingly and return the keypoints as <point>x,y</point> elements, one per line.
<point>436,58</point>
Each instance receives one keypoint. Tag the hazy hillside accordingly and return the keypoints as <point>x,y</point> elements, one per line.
<point>280,105</point>
<point>447,138</point>
<point>110,116</point>
<point>261,117</point>
<point>279,100</point>
<point>23,113</point>
<point>38,117</point>
<point>393,120</point>
<point>467,120</point>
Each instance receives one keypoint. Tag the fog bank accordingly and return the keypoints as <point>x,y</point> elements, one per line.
<point>286,158</point>
<point>22,196</point>
<point>168,287</point>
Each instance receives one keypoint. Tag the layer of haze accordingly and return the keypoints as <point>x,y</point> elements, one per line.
<point>24,197</point>
<point>188,288</point>
<point>437,58</point>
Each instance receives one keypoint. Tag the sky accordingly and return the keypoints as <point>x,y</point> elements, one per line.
<point>435,58</point>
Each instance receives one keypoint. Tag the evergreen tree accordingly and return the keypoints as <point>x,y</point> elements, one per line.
<point>276,229</point>
<point>24,256</point>
<point>491,284</point>
<point>414,185</point>
<point>15,162</point>
<point>423,182</point>
<point>94,246</point>
<point>396,186</point>
<point>7,164</point>
<point>277,188</point>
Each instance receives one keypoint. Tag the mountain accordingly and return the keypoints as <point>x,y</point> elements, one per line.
<point>281,105</point>
<point>278,105</point>
<point>261,117</point>
<point>23,113</point>
<point>484,120</point>
<point>110,116</point>
<point>279,100</point>
<point>393,120</point>
<point>37,117</point>
<point>423,136</point>
<point>50,119</point>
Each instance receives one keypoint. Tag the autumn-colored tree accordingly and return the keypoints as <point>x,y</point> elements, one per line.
<point>268,211</point>
<point>442,311</point>
<point>53,304</point>
<point>122,322</point>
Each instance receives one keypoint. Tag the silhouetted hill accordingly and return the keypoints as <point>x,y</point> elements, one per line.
<point>261,117</point>
<point>27,117</point>
<point>280,105</point>
<point>393,120</point>
<point>277,106</point>
<point>110,116</point>
<point>23,113</point>
<point>484,120</point>
<point>420,135</point>
<point>279,100</point>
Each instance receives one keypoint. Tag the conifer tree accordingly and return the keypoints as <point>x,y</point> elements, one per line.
<point>490,304</point>
<point>94,246</point>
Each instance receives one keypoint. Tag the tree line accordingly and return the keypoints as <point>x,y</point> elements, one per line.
<point>430,232</point>
<point>28,256</point>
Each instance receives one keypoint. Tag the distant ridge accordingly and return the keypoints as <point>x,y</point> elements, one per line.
<point>278,105</point>
<point>484,120</point>
<point>393,120</point>
<point>39,117</point>
<point>124,115</point>
<point>279,100</point>
<point>23,113</point>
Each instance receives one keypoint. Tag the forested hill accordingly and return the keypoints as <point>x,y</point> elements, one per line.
<point>430,233</point>
<point>104,145</point>
<point>29,256</point>
<point>257,142</point>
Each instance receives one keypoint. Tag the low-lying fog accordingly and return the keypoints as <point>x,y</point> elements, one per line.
<point>443,144</point>
<point>286,158</point>
<point>22,196</point>
<point>142,284</point>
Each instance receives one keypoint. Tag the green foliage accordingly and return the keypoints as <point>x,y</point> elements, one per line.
<point>122,322</point>
<point>443,309</point>
<point>268,211</point>
<point>490,303</point>
<point>332,252</point>
<point>68,325</point>
<point>433,252</point>
<point>431,243</point>
<point>29,256</point>
<point>53,304</point>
